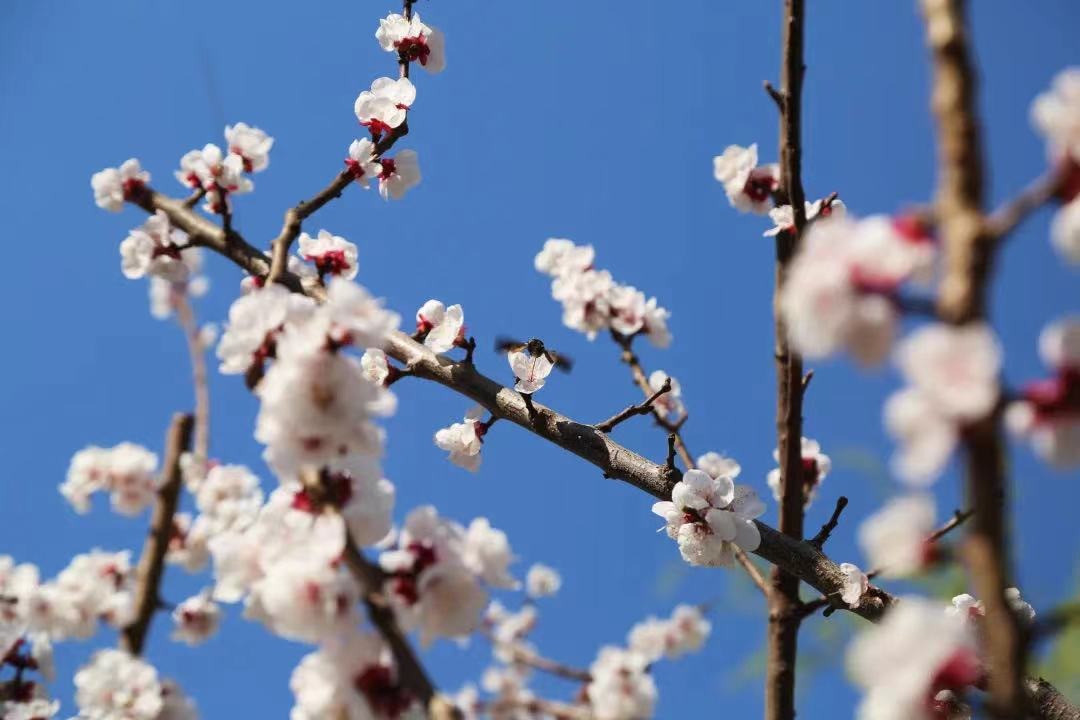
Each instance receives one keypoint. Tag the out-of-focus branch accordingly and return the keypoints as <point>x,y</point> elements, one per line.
<point>523,656</point>
<point>969,245</point>
<point>1013,212</point>
<point>784,602</point>
<point>151,566</point>
<point>197,353</point>
<point>1047,702</point>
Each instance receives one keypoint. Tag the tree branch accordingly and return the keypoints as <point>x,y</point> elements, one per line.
<point>197,353</point>
<point>152,562</point>
<point>798,558</point>
<point>784,602</point>
<point>642,408</point>
<point>826,530</point>
<point>969,247</point>
<point>1044,189</point>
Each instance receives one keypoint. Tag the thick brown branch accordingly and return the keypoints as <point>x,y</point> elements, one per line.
<point>152,562</point>
<point>1047,703</point>
<point>969,253</point>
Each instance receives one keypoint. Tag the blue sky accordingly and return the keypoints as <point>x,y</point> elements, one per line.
<point>583,120</point>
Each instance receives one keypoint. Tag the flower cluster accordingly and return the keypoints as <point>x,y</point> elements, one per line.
<point>351,677</point>
<point>94,586</point>
<point>952,375</point>
<point>113,186</point>
<point>749,187</point>
<point>841,287</point>
<point>684,632</point>
<point>783,217</point>
<point>815,466</point>
<point>1048,411</point>
<point>1056,115</point>
<point>969,609</point>
<point>196,619</point>
<point>116,684</point>
<point>463,440</point>
<point>221,174</point>
<point>592,301</point>
<point>128,472</point>
<point>708,516</point>
<point>916,664</point>
<point>670,405</point>
<point>331,254</point>
<point>22,697</point>
<point>437,569</point>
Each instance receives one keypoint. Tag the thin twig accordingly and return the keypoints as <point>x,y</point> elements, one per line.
<point>1056,620</point>
<point>151,566</point>
<point>959,518</point>
<point>826,530</point>
<point>195,197</point>
<point>1041,191</point>
<point>642,408</point>
<point>523,656</point>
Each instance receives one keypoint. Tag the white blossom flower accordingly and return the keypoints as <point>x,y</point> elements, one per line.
<point>399,174</point>
<point>317,405</point>
<point>621,687</point>
<point>188,543</point>
<point>855,584</point>
<point>783,217</point>
<point>154,249</point>
<point>953,379</point>
<point>670,404</point>
<point>1048,411</point>
<point>349,678</point>
<point>487,553</point>
<point>904,662</point>
<point>306,601</point>
<point>1056,114</point>
<point>464,440</point>
<point>112,186</point>
<point>708,516</point>
<point>429,580</point>
<point>896,539</point>
<point>413,41</point>
<point>332,254</point>
<point>375,366</point>
<point>1065,231</point>
<point>748,186</point>
<point>127,471</point>
<point>531,372</point>
<point>384,107</point>
<point>685,631</point>
<point>815,466</point>
<point>968,609</point>
<point>35,708</point>
<point>719,466</point>
<point>196,619</point>
<point>255,321</point>
<point>840,286</point>
<point>216,172</point>
<point>542,581</point>
<point>656,329</point>
<point>443,327</point>
<point>251,144</point>
<point>362,163</point>
<point>116,684</point>
<point>560,257</point>
<point>355,317</point>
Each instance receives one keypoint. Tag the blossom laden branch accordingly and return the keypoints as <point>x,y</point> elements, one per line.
<point>152,562</point>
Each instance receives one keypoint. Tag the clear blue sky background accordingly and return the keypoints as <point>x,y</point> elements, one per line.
<point>593,121</point>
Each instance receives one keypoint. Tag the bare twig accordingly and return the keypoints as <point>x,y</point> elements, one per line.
<point>1044,189</point>
<point>1056,620</point>
<point>152,562</point>
<point>195,197</point>
<point>524,656</point>
<point>959,518</point>
<point>642,408</point>
<point>818,540</point>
